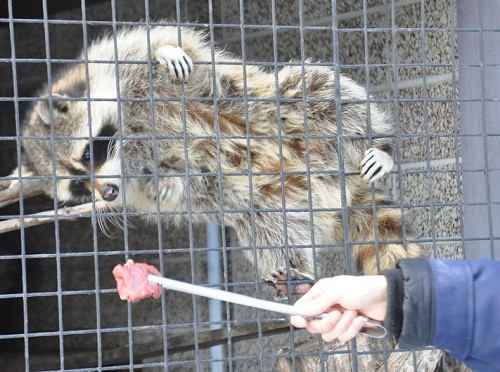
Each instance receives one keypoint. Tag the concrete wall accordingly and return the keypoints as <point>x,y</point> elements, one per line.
<point>479,110</point>
<point>411,70</point>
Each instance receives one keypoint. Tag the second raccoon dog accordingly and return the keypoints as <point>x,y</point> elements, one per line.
<point>219,136</point>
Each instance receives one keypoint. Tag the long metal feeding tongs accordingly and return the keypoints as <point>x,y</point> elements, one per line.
<point>373,328</point>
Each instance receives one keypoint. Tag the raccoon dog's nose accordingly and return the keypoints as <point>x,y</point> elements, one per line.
<point>110,192</point>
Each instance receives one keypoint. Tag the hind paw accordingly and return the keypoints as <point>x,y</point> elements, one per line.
<point>288,281</point>
<point>178,63</point>
<point>375,164</point>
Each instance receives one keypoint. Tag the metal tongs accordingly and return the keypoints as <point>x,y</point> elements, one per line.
<point>373,328</point>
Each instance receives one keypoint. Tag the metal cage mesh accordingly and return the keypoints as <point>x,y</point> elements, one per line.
<point>57,296</point>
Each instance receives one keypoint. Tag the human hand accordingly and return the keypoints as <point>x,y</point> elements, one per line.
<point>360,296</point>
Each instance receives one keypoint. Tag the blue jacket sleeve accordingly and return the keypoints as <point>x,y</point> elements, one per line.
<point>453,305</point>
<point>467,311</point>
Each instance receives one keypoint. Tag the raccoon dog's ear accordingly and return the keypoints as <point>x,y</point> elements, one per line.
<point>60,107</point>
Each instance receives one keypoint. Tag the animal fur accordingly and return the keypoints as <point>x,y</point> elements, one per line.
<point>220,137</point>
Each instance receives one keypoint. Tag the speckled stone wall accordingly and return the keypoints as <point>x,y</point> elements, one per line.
<point>409,70</point>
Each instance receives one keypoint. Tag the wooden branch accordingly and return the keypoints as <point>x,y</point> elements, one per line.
<point>338,356</point>
<point>10,192</point>
<point>5,185</point>
<point>63,214</point>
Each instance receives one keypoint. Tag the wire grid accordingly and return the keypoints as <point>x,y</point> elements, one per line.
<point>429,185</point>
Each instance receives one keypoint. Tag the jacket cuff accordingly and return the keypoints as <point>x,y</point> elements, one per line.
<point>419,306</point>
<point>393,321</point>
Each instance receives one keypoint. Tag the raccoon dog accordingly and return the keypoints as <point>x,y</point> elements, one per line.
<point>163,122</point>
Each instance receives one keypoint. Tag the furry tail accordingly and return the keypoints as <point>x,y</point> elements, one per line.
<point>377,239</point>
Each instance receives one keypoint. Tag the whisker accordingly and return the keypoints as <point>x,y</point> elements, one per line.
<point>106,220</point>
<point>102,221</point>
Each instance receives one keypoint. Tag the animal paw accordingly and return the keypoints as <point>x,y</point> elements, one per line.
<point>288,281</point>
<point>165,189</point>
<point>375,164</point>
<point>179,64</point>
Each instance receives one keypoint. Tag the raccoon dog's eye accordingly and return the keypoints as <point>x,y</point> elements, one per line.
<point>86,154</point>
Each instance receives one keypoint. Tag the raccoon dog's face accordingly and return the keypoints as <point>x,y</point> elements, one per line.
<point>61,148</point>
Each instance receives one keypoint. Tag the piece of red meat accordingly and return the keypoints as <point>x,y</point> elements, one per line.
<point>132,281</point>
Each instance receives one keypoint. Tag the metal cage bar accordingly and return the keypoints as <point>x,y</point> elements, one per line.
<point>428,63</point>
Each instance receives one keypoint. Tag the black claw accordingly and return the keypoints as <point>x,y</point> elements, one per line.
<point>376,172</point>
<point>187,63</point>
<point>280,296</point>
<point>370,167</point>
